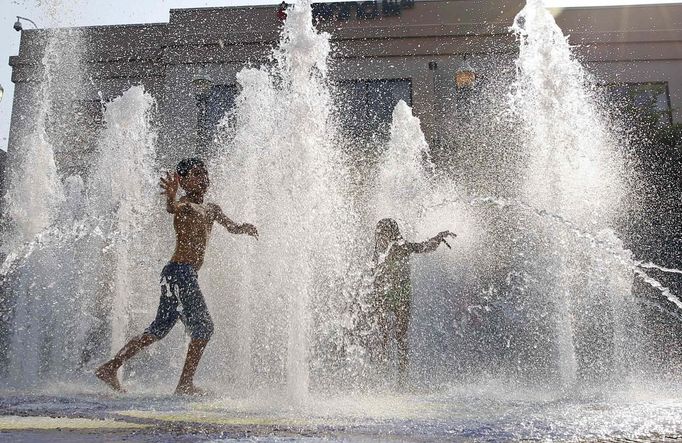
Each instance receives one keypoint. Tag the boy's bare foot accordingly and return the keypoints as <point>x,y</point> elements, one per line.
<point>108,374</point>
<point>190,390</point>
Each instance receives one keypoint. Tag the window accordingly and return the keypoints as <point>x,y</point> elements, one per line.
<point>642,101</point>
<point>366,106</point>
<point>213,105</point>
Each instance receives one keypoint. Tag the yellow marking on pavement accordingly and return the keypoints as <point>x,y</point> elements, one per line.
<point>215,419</point>
<point>15,423</point>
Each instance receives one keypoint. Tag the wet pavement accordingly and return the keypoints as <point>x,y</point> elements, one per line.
<point>455,414</point>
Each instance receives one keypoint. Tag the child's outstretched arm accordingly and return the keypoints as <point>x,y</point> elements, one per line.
<point>431,244</point>
<point>232,227</point>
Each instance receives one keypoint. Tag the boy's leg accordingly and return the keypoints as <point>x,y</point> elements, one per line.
<point>194,353</point>
<point>200,325</point>
<point>166,317</point>
<point>108,371</point>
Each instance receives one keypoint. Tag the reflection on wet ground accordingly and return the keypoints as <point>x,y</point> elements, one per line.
<point>460,414</point>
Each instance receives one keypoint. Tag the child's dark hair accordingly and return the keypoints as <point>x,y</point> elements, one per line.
<point>387,231</point>
<point>187,164</point>
<point>388,227</point>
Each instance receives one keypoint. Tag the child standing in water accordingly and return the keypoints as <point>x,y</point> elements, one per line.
<point>392,285</point>
<point>192,220</point>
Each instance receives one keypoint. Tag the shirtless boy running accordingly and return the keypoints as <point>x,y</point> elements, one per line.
<point>192,220</point>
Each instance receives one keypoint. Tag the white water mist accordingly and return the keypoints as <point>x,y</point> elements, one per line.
<point>122,200</point>
<point>574,170</point>
<point>282,172</point>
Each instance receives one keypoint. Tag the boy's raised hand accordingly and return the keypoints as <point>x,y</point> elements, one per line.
<point>170,184</point>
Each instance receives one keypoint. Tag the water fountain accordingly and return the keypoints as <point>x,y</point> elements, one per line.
<point>34,199</point>
<point>528,319</point>
<point>84,254</point>
<point>585,184</point>
<point>289,181</point>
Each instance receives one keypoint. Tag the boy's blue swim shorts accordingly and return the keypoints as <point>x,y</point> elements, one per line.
<point>181,298</point>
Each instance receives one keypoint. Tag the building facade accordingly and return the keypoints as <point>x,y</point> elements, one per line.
<point>382,52</point>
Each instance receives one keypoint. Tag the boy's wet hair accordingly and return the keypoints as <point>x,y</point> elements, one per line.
<point>187,164</point>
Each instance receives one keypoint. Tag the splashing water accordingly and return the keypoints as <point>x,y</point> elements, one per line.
<point>34,200</point>
<point>573,164</point>
<point>573,170</point>
<point>93,236</point>
<point>36,191</point>
<point>404,171</point>
<point>122,191</point>
<point>281,172</point>
<point>536,293</point>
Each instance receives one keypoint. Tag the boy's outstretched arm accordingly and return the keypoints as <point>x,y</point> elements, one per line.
<point>431,244</point>
<point>232,227</point>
